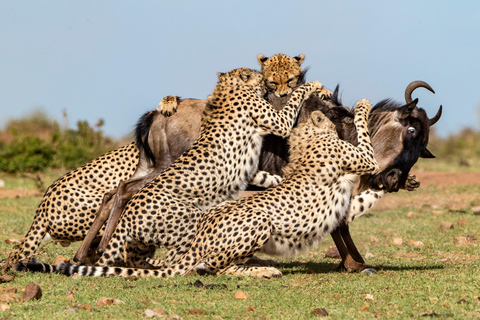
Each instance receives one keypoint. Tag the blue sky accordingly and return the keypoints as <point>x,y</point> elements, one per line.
<point>115,60</point>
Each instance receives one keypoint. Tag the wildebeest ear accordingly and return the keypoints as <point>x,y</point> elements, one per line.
<point>261,59</point>
<point>426,154</point>
<point>317,117</point>
<point>405,111</point>
<point>300,58</point>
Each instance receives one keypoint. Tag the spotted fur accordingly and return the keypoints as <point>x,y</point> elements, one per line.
<point>308,204</point>
<point>69,205</point>
<point>216,168</point>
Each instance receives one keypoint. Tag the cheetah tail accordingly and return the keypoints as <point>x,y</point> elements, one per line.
<point>35,266</point>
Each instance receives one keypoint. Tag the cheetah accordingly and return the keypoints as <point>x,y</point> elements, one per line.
<point>307,205</point>
<point>69,205</point>
<point>216,168</point>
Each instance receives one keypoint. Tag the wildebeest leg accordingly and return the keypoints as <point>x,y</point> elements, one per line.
<point>352,260</point>
<point>125,192</point>
<point>81,256</point>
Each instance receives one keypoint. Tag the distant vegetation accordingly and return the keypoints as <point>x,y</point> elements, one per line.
<point>457,152</point>
<point>36,143</point>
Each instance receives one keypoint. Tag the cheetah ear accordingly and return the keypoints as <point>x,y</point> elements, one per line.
<point>220,74</point>
<point>261,59</point>
<point>317,117</point>
<point>300,58</point>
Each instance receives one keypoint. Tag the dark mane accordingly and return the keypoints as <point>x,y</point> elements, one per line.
<point>386,105</point>
<point>142,131</point>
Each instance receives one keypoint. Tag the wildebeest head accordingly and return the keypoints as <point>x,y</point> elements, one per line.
<point>399,136</point>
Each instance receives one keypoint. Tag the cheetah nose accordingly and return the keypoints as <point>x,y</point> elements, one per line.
<point>283,95</point>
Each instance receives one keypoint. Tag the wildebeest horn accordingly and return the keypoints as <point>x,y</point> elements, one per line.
<point>414,85</point>
<point>434,120</point>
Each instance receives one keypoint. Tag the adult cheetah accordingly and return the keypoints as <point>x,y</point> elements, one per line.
<point>216,168</point>
<point>308,204</point>
<point>69,205</point>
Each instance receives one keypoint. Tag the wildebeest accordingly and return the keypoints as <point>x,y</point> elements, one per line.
<point>399,136</point>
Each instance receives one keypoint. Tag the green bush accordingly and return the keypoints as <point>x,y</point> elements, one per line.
<point>56,148</point>
<point>26,154</point>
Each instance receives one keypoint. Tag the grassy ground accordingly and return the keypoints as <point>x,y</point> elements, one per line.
<point>440,278</point>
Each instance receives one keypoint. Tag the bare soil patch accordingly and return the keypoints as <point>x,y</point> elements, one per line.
<point>447,178</point>
<point>18,193</point>
<point>433,200</point>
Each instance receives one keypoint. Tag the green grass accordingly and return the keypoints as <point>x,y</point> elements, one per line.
<point>440,279</point>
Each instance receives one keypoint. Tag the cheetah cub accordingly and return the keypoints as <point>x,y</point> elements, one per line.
<point>295,215</point>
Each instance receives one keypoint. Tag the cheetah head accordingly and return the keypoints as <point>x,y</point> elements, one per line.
<point>242,77</point>
<point>319,120</point>
<point>282,73</point>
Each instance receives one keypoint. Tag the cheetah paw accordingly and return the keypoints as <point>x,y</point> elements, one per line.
<point>412,183</point>
<point>168,105</point>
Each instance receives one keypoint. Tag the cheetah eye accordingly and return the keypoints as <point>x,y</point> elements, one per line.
<point>411,130</point>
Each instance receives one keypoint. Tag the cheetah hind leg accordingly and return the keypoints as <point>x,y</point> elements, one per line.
<point>168,106</point>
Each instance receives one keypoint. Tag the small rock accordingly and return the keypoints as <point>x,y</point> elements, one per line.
<point>7,278</point>
<point>369,297</point>
<point>438,212</point>
<point>240,295</point>
<point>418,244</point>
<point>411,214</point>
<point>462,222</point>
<point>59,259</point>
<point>150,314</point>
<point>445,225</point>
<point>397,241</point>
<point>476,210</point>
<point>2,183</point>
<point>332,253</point>
<point>32,291</point>
<point>12,241</point>
<point>107,301</point>
<point>368,255</point>
<point>85,307</point>
<point>320,312</point>
<point>76,276</point>
<point>374,239</point>
<point>4,307</point>
<point>70,310</point>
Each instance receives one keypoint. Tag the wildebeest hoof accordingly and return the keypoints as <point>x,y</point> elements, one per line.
<point>369,271</point>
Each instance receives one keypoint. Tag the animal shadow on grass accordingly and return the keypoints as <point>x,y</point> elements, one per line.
<point>322,267</point>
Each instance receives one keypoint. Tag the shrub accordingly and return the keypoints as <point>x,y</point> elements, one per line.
<point>50,146</point>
